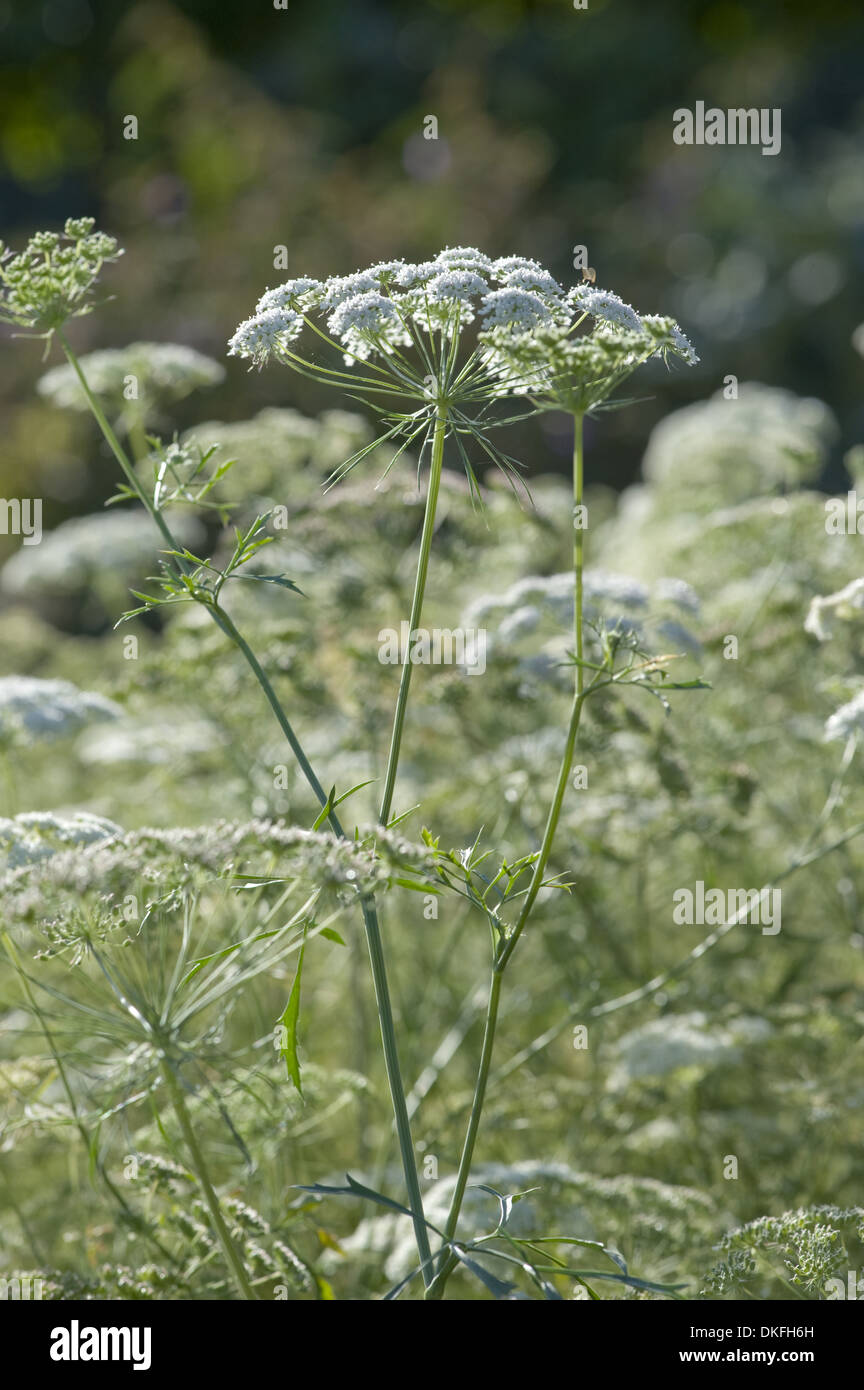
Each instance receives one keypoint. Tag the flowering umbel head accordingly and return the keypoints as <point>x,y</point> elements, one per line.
<point>51,280</point>
<point>400,327</point>
<point>374,313</point>
<point>558,367</point>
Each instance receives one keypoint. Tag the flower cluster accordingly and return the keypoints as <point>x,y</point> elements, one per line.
<point>33,709</point>
<point>718,452</point>
<point>375,312</point>
<point>163,372</point>
<point>613,598</point>
<point>51,279</point>
<point>558,368</point>
<point>109,862</point>
<point>91,552</point>
<point>847,720</point>
<point>805,1247</point>
<point>399,327</point>
<point>823,610</point>
<point>36,835</point>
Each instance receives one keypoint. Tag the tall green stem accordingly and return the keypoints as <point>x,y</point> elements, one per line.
<point>370,915</point>
<point>229,1248</point>
<point>416,609</point>
<point>113,442</point>
<point>503,954</point>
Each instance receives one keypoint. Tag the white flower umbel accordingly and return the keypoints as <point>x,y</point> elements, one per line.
<point>399,328</point>
<point>847,720</point>
<point>517,310</point>
<point>33,709</point>
<point>557,367</point>
<point>163,373</point>
<point>604,306</point>
<point>85,552</point>
<point>289,294</point>
<point>36,835</point>
<point>265,334</point>
<point>367,323</point>
<point>823,611</point>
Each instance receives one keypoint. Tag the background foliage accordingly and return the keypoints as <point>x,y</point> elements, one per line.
<point>305,128</point>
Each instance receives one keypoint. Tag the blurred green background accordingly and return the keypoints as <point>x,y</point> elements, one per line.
<point>303,127</point>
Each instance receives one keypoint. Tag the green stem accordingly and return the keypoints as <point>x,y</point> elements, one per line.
<point>416,609</point>
<point>436,1290</point>
<point>114,444</point>
<point>578,546</point>
<point>474,1122</point>
<point>367,902</point>
<point>229,1249</point>
<point>375,947</point>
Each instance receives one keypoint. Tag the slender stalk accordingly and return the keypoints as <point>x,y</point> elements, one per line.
<point>367,902</point>
<point>578,546</point>
<point>229,1249</point>
<point>113,442</point>
<point>377,959</point>
<point>477,1106</point>
<point>416,609</point>
<point>502,957</point>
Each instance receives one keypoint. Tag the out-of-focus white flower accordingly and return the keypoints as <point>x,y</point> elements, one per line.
<point>554,592</point>
<point>824,609</point>
<point>36,835</point>
<point>79,552</point>
<point>516,624</point>
<point>681,1040</point>
<point>679,592</point>
<point>163,372</point>
<point>847,720</point>
<point>730,450</point>
<point>604,585</point>
<point>33,709</point>
<point>159,742</point>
